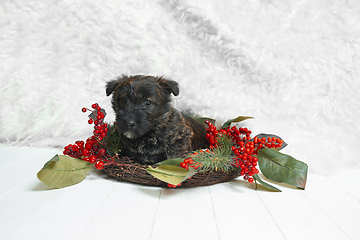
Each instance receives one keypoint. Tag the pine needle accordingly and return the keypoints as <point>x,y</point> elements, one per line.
<point>218,159</point>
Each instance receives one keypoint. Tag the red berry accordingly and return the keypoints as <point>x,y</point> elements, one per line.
<point>86,152</point>
<point>99,165</point>
<point>75,148</point>
<point>92,159</point>
<point>187,161</point>
<point>80,144</point>
<point>95,147</point>
<point>183,165</point>
<point>251,180</point>
<point>173,186</point>
<point>101,152</point>
<point>83,109</point>
<point>89,144</point>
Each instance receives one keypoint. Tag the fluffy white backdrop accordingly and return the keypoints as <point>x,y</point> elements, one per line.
<point>292,65</point>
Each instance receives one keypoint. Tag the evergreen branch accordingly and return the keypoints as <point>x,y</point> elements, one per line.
<point>218,159</point>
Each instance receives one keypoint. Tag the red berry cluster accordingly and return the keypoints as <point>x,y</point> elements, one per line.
<point>237,135</point>
<point>244,148</point>
<point>270,142</point>
<point>100,128</point>
<point>91,150</point>
<point>189,162</point>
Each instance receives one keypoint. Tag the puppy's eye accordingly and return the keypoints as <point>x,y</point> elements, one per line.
<point>148,102</point>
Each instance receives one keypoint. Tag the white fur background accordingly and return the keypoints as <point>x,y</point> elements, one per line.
<point>292,65</point>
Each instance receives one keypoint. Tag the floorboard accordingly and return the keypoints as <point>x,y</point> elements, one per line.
<point>240,212</point>
<point>104,208</point>
<point>128,212</point>
<point>298,217</point>
<point>186,212</point>
<point>349,181</point>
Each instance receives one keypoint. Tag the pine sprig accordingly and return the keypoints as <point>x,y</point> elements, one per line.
<point>217,159</point>
<point>112,141</point>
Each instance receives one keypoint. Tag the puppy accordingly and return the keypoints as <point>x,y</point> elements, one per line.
<point>151,129</point>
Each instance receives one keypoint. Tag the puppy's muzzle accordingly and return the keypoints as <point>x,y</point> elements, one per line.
<point>130,125</point>
<point>130,128</point>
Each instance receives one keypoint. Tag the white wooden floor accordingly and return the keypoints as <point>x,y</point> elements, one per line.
<point>102,208</point>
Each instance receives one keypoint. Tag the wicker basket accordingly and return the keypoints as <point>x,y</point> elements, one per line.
<point>133,172</point>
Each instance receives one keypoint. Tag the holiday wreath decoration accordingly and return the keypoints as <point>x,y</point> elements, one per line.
<point>232,153</point>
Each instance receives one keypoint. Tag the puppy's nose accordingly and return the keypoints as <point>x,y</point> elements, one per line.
<point>130,124</point>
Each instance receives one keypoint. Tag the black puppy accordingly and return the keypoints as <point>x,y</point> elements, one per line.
<point>151,129</point>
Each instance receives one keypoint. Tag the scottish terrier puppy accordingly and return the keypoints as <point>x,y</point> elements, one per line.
<point>151,129</point>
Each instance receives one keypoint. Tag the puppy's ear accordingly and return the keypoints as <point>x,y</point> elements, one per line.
<point>110,86</point>
<point>169,85</point>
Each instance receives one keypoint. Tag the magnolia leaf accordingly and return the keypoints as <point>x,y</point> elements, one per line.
<point>171,174</point>
<point>265,135</point>
<point>93,116</point>
<point>282,168</point>
<point>203,119</point>
<point>197,117</point>
<point>265,184</point>
<point>172,161</point>
<point>63,171</point>
<point>238,119</point>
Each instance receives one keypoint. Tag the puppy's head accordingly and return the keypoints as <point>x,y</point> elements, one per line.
<point>139,102</point>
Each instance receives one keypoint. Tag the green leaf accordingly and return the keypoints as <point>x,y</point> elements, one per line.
<point>93,115</point>
<point>282,168</point>
<point>203,119</point>
<point>172,161</point>
<point>265,184</point>
<point>63,171</point>
<point>197,117</point>
<point>171,174</point>
<point>238,119</point>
